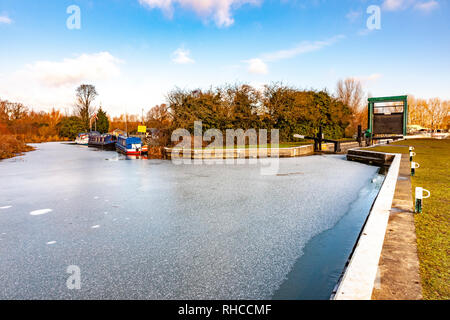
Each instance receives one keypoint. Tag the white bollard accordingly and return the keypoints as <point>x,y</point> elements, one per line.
<point>411,155</point>
<point>420,197</point>
<point>414,166</point>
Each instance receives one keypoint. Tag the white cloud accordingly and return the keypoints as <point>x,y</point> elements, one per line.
<point>427,6</point>
<point>47,84</point>
<point>181,56</point>
<point>352,16</point>
<point>374,77</point>
<point>129,92</point>
<point>257,66</point>
<point>219,10</point>
<point>395,5</point>
<point>302,48</point>
<point>365,80</point>
<point>365,32</point>
<point>70,71</point>
<point>5,19</point>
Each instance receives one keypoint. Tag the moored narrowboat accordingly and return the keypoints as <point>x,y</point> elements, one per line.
<point>129,145</point>
<point>104,141</point>
<point>82,139</point>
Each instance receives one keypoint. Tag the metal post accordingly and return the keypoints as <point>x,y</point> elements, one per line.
<point>337,147</point>
<point>370,117</point>
<point>405,116</point>
<point>419,198</point>
<point>360,135</point>
<point>320,136</point>
<point>126,123</point>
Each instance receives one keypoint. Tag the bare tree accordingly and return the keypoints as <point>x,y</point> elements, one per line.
<point>4,116</point>
<point>85,95</point>
<point>350,93</point>
<point>432,113</point>
<point>417,111</point>
<point>438,110</point>
<point>158,115</point>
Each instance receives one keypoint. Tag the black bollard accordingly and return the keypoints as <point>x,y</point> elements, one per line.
<point>320,137</point>
<point>360,135</point>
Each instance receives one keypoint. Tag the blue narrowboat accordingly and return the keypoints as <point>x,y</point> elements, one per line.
<point>103,141</point>
<point>129,145</point>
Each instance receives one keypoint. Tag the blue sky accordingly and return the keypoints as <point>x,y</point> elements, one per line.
<point>135,51</point>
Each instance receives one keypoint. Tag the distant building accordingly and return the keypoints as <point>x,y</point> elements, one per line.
<point>153,133</point>
<point>118,132</point>
<point>416,128</point>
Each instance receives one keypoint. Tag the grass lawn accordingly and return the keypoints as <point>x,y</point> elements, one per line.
<point>433,225</point>
<point>286,144</point>
<point>281,145</point>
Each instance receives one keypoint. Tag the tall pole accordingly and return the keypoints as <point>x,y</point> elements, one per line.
<point>126,123</point>
<point>360,135</point>
<point>320,136</point>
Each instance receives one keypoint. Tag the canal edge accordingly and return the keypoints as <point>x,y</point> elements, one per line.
<point>358,280</point>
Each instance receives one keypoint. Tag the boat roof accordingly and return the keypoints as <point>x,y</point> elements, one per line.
<point>131,138</point>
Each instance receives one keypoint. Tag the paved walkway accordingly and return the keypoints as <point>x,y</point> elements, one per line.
<point>398,270</point>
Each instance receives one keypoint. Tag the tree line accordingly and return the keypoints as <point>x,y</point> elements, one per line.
<point>432,113</point>
<point>275,106</point>
<point>16,119</point>
<point>31,126</point>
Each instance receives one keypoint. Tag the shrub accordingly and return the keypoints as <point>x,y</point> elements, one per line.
<point>11,146</point>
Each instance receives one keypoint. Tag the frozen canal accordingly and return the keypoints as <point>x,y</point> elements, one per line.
<point>147,229</point>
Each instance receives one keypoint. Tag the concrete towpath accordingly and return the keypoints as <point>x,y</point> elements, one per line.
<point>398,270</point>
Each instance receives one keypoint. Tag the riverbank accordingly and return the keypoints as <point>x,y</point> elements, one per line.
<point>432,226</point>
<point>15,145</point>
<point>11,146</point>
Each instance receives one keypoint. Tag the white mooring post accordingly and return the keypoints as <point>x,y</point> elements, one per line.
<point>420,197</point>
<point>411,155</point>
<point>414,166</point>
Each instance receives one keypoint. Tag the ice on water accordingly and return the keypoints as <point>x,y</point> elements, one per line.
<point>40,212</point>
<point>197,231</point>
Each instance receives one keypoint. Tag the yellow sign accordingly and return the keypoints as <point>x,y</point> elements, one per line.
<point>142,129</point>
